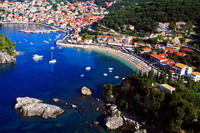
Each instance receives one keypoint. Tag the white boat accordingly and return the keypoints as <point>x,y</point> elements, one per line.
<point>31,42</point>
<point>52,47</point>
<point>105,74</point>
<point>60,47</point>
<point>52,61</point>
<point>37,57</point>
<point>49,39</point>
<point>116,77</point>
<point>82,75</point>
<point>88,68</point>
<point>110,69</point>
<point>46,41</point>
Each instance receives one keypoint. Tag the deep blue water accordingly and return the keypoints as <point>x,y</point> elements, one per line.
<point>61,80</point>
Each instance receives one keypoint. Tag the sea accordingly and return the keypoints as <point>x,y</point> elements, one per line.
<point>39,79</point>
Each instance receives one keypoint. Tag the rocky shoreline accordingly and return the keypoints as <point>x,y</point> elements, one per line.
<point>114,119</point>
<point>5,58</point>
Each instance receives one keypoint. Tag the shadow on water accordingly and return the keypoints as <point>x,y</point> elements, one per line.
<point>5,67</point>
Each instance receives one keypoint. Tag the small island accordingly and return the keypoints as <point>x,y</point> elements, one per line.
<point>7,50</point>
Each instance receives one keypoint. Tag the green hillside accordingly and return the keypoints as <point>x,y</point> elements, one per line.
<point>146,15</point>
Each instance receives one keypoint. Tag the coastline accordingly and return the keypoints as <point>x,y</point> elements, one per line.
<point>45,25</point>
<point>130,59</point>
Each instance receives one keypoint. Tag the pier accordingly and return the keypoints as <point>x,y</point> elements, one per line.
<point>38,30</point>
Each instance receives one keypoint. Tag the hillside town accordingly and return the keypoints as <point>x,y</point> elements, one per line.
<point>61,15</point>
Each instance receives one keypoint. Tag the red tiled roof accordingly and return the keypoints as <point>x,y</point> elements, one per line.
<point>159,57</point>
<point>169,62</point>
<point>180,54</point>
<point>146,48</point>
<point>187,49</point>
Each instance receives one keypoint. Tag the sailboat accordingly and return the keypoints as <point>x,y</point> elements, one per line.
<point>52,61</point>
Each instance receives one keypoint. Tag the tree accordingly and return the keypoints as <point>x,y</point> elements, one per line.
<point>6,45</point>
<point>172,25</point>
<point>189,26</point>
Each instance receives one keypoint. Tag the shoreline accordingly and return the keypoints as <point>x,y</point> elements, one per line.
<point>45,25</point>
<point>130,59</point>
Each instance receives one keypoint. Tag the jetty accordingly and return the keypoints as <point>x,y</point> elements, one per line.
<point>38,30</point>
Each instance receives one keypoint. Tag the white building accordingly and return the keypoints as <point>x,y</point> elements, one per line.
<point>167,87</point>
<point>182,69</point>
<point>88,41</point>
<point>195,76</point>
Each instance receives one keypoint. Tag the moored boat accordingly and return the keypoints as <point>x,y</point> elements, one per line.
<point>37,57</point>
<point>88,68</point>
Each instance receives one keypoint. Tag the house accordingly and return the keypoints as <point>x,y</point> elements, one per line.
<point>163,26</point>
<point>158,58</point>
<point>169,63</point>
<point>195,76</point>
<point>167,88</point>
<point>160,46</point>
<point>102,38</point>
<point>88,41</point>
<point>171,51</point>
<point>180,24</point>
<point>139,44</point>
<point>182,69</point>
<point>131,27</point>
<point>146,50</point>
<point>187,50</point>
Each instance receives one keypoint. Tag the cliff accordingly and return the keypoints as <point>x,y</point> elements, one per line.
<point>5,58</point>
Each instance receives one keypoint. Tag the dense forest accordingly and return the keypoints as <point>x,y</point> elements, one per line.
<point>6,45</point>
<point>124,3</point>
<point>146,15</point>
<point>162,111</point>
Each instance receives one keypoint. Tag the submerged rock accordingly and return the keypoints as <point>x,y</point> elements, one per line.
<point>96,123</point>
<point>5,58</point>
<point>86,91</point>
<point>34,107</point>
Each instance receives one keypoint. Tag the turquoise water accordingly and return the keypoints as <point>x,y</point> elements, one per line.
<point>61,80</point>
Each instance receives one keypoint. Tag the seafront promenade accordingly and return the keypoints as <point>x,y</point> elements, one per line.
<point>130,58</point>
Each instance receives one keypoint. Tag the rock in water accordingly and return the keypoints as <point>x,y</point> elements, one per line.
<point>114,122</point>
<point>86,91</point>
<point>56,100</point>
<point>22,101</point>
<point>6,58</point>
<point>34,107</point>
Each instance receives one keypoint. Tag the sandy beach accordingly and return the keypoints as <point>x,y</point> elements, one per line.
<point>131,59</point>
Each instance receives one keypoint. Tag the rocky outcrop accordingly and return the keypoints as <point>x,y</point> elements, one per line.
<point>34,107</point>
<point>86,91</point>
<point>6,58</point>
<point>115,120</point>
